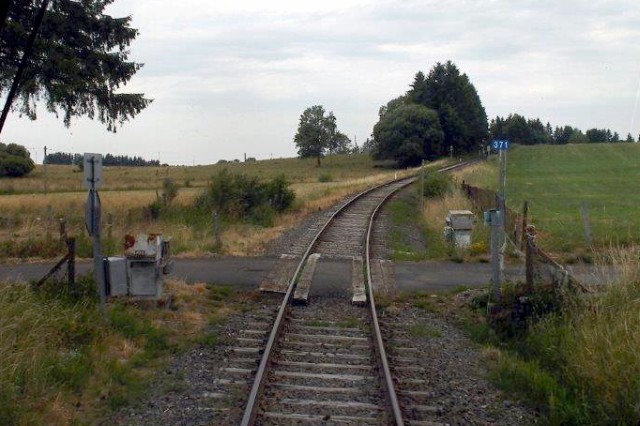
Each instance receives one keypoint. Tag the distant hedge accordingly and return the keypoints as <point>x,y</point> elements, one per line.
<point>15,160</point>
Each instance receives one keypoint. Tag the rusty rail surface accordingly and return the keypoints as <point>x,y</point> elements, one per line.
<point>265,362</point>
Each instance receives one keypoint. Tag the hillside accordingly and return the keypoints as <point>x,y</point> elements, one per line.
<point>558,180</point>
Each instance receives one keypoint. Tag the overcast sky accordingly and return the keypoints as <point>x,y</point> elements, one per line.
<point>233,77</point>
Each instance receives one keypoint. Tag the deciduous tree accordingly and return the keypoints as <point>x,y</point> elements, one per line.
<point>408,134</point>
<point>15,160</point>
<point>318,134</point>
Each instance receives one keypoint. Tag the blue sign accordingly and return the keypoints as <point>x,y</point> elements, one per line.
<point>500,144</point>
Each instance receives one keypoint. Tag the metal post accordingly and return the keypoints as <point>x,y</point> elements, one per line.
<point>586,223</point>
<point>496,243</point>
<point>98,262</point>
<point>44,166</point>
<point>109,225</point>
<point>502,208</point>
<point>49,219</point>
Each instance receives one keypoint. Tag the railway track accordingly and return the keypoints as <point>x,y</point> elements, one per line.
<point>325,361</point>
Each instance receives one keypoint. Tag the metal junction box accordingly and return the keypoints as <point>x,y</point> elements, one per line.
<point>116,273</point>
<point>140,272</point>
<point>459,224</point>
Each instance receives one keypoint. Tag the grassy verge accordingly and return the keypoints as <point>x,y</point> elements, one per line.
<point>404,223</point>
<point>558,180</point>
<point>406,220</point>
<point>579,364</point>
<point>63,362</point>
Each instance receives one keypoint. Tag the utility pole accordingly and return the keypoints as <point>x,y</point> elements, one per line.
<point>44,165</point>
<point>497,221</point>
<point>502,207</point>
<point>93,181</point>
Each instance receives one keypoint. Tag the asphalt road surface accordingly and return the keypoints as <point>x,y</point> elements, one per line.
<point>248,272</point>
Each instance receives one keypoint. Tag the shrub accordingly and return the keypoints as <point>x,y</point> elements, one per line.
<point>279,194</point>
<point>436,185</point>
<point>325,177</point>
<point>169,190</point>
<point>14,160</point>
<point>241,197</point>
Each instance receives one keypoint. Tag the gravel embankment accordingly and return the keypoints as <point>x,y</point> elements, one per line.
<point>452,367</point>
<point>209,384</point>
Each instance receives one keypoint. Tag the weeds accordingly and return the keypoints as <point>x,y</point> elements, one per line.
<point>576,357</point>
<point>423,331</point>
<point>58,352</point>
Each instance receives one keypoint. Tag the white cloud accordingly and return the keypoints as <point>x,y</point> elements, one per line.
<point>230,77</point>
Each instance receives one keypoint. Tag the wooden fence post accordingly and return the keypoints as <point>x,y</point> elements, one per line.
<point>71,261</point>
<point>49,220</point>
<point>525,219</point>
<point>63,230</point>
<point>216,228</point>
<point>529,261</point>
<point>586,223</point>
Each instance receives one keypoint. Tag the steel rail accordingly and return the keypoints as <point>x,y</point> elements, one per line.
<point>258,383</point>
<point>390,393</point>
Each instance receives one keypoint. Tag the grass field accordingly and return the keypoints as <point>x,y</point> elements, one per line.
<point>69,178</point>
<point>558,180</point>
<point>28,230</point>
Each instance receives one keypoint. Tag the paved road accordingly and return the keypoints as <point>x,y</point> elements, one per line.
<point>247,272</point>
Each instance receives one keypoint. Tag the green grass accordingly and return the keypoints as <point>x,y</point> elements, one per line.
<point>405,217</point>
<point>557,180</point>
<point>578,364</point>
<point>58,352</point>
<point>423,331</point>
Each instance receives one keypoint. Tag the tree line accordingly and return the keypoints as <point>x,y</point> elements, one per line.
<point>107,160</point>
<point>518,129</point>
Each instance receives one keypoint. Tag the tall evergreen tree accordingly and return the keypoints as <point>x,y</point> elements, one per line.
<point>455,98</point>
<point>79,61</point>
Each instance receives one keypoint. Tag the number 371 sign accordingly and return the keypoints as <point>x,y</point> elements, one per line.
<point>500,144</point>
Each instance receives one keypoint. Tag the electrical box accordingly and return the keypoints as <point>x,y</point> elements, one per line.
<point>147,260</point>
<point>145,279</point>
<point>459,224</point>
<point>116,273</point>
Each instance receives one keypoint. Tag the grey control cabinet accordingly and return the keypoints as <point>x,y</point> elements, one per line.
<point>140,273</point>
<point>145,279</point>
<point>116,273</point>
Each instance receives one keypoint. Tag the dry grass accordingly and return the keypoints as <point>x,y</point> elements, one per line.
<point>29,222</point>
<point>26,217</point>
<point>434,213</point>
<point>62,363</point>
